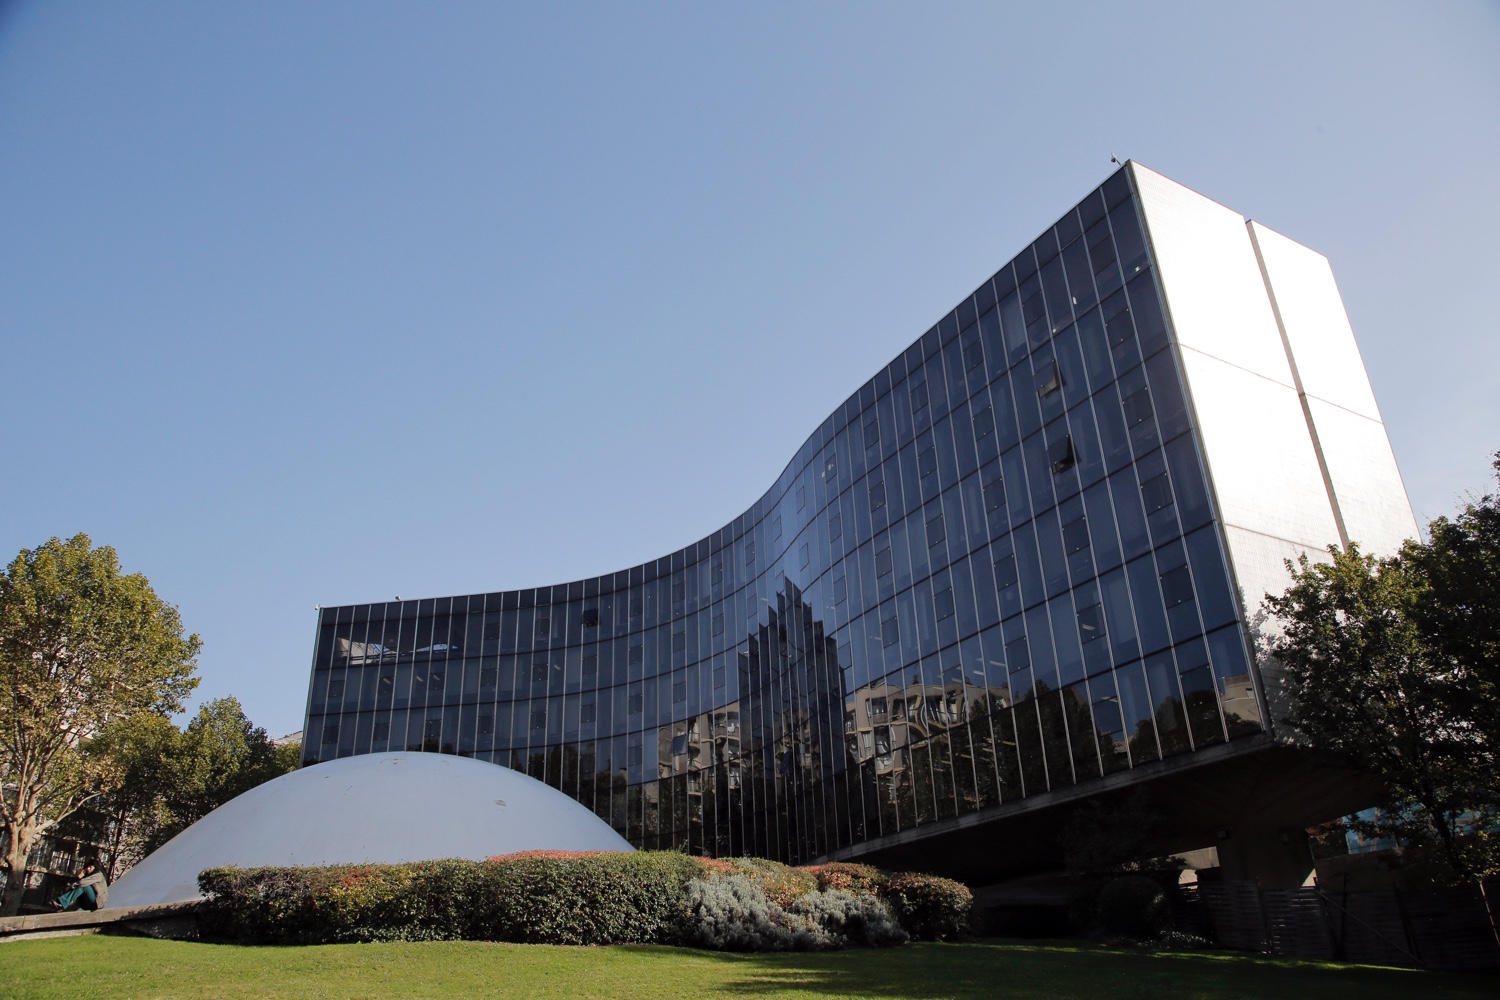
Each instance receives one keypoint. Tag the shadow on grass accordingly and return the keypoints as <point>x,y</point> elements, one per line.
<point>990,969</point>
<point>96,966</point>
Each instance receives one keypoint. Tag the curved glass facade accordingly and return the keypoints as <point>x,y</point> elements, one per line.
<point>993,571</point>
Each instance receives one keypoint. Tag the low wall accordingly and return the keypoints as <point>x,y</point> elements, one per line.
<point>164,920</point>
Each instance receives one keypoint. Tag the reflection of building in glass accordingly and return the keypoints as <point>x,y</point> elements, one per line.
<point>1016,568</point>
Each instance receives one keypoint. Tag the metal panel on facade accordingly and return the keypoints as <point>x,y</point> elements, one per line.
<point>1264,469</point>
<point>1261,459</point>
<point>1210,277</point>
<point>1368,496</point>
<point>1362,468</point>
<point>1312,317</point>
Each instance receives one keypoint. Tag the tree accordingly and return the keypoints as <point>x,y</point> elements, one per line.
<point>221,755</point>
<point>82,646</point>
<point>1373,688</point>
<point>1460,607</point>
<point>136,758</point>
<point>165,779</point>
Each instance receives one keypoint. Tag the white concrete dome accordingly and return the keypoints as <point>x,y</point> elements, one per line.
<point>383,807</point>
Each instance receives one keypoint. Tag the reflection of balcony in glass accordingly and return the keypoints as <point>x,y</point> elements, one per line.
<point>1016,569</point>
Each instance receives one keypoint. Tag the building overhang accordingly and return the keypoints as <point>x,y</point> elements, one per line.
<point>1253,787</point>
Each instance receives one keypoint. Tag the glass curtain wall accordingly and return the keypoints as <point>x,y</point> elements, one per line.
<point>993,571</point>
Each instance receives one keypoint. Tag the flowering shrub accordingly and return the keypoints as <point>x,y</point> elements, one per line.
<point>561,897</point>
<point>858,880</point>
<point>717,866</point>
<point>549,855</point>
<point>929,908</point>
<point>781,883</point>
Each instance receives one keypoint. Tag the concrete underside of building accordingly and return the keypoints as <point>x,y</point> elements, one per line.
<point>1252,806</point>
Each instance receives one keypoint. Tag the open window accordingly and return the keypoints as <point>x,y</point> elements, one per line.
<point>1061,454</point>
<point>1050,380</point>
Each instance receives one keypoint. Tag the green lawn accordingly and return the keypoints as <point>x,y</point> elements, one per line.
<point>115,967</point>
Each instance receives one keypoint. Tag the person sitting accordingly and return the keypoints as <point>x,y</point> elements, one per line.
<point>91,892</point>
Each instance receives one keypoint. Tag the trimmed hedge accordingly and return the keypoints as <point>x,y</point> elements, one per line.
<point>929,908</point>
<point>551,897</point>
<point>599,899</point>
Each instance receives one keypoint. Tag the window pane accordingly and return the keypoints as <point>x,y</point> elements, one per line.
<point>1091,623</point>
<point>1075,536</point>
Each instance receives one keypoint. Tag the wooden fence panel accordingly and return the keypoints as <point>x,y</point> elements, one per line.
<point>1296,923</point>
<point>1367,927</point>
<point>1433,928</point>
<point>1451,929</point>
<point>1235,912</point>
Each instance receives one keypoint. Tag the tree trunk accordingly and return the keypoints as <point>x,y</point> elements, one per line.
<point>21,840</point>
<point>1447,838</point>
<point>116,838</point>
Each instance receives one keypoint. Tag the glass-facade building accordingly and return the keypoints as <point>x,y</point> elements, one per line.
<point>1021,558</point>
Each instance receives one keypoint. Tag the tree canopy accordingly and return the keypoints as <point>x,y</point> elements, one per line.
<point>1391,665</point>
<point>1459,606</point>
<point>82,646</point>
<point>164,779</point>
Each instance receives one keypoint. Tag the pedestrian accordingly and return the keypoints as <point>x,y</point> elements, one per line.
<point>91,892</point>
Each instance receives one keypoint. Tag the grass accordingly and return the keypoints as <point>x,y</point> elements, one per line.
<point>117,967</point>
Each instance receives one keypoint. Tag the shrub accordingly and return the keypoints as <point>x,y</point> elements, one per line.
<point>733,913</point>
<point>859,880</point>
<point>846,919</point>
<point>1182,941</point>
<point>598,899</point>
<point>602,899</point>
<point>929,908</point>
<point>781,883</point>
<point>1134,905</point>
<point>548,855</point>
<point>716,866</point>
<point>307,905</point>
<point>584,898</point>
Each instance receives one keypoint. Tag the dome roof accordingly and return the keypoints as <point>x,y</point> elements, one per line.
<point>383,807</point>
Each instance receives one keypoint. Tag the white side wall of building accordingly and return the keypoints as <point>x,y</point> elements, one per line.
<point>1297,455</point>
<point>1262,464</point>
<point>1369,498</point>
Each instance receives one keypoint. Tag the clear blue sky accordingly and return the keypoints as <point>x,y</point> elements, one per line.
<point>318,303</point>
